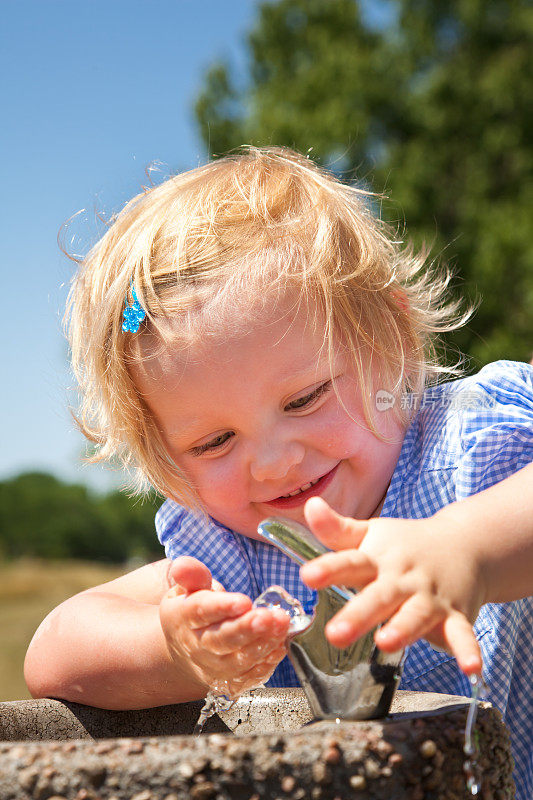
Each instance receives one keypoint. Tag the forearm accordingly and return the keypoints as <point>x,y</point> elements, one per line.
<point>108,651</point>
<point>499,523</point>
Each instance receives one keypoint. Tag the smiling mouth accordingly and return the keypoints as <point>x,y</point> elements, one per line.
<point>305,491</point>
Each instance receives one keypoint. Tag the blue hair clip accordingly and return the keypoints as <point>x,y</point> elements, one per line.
<point>133,314</point>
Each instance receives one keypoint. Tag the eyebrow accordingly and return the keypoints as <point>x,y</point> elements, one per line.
<point>179,432</point>
<point>318,365</point>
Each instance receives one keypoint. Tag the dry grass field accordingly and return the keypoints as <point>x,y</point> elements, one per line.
<point>28,591</point>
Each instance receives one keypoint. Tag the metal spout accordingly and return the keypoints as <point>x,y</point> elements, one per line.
<point>357,682</point>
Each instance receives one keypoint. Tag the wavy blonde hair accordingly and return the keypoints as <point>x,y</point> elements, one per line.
<point>254,224</point>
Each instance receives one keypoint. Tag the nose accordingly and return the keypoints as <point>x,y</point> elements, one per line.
<point>274,458</point>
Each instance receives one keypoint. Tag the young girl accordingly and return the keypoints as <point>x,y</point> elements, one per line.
<point>248,336</point>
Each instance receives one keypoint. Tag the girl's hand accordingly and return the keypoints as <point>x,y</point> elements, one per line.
<point>227,644</point>
<point>420,575</point>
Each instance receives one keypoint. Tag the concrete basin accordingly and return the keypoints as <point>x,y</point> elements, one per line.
<point>265,747</point>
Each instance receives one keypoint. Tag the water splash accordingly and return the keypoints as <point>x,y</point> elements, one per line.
<point>220,697</point>
<point>217,699</point>
<point>277,597</point>
<point>471,749</point>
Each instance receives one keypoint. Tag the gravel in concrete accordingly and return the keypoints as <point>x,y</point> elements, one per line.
<point>413,758</point>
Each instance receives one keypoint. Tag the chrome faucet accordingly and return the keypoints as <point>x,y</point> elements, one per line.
<point>357,682</point>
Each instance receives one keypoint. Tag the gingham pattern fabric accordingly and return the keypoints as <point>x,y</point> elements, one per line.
<point>466,436</point>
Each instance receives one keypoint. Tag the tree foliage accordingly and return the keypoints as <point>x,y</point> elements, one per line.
<point>431,106</point>
<point>42,517</point>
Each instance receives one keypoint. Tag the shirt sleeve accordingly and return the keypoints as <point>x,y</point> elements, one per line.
<point>184,533</point>
<point>497,430</point>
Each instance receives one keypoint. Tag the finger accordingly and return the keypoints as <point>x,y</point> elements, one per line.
<point>260,671</point>
<point>461,639</point>
<point>347,567</point>
<point>253,629</point>
<point>374,604</point>
<point>335,531</point>
<point>190,574</point>
<point>259,652</point>
<point>204,608</point>
<point>238,672</point>
<point>412,621</point>
<point>244,674</point>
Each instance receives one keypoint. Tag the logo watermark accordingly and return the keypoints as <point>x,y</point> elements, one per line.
<point>467,400</point>
<point>384,400</point>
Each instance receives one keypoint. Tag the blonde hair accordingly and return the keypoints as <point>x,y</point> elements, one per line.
<point>218,236</point>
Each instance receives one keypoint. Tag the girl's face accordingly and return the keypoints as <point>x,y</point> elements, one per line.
<point>254,422</point>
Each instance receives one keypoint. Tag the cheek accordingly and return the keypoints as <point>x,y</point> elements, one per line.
<point>352,438</point>
<point>342,432</point>
<point>218,482</point>
<point>350,422</point>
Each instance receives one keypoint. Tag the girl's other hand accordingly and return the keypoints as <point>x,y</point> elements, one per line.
<point>228,645</point>
<point>419,577</point>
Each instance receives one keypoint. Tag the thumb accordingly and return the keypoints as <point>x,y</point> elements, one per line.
<point>333,530</point>
<point>187,575</point>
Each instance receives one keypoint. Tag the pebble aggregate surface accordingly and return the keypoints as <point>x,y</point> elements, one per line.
<point>417,758</point>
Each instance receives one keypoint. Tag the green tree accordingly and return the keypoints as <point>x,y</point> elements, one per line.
<point>431,106</point>
<point>42,517</point>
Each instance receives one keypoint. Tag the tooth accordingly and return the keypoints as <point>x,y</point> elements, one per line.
<point>303,488</point>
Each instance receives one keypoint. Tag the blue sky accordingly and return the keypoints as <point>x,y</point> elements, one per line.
<point>91,94</point>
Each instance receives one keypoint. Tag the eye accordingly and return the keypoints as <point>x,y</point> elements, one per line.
<point>213,444</point>
<point>308,399</point>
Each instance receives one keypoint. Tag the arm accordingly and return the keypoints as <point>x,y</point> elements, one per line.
<point>428,577</point>
<point>99,646</point>
<point>144,640</point>
<point>500,522</point>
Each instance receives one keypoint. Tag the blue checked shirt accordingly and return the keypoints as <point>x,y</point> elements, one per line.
<point>466,436</point>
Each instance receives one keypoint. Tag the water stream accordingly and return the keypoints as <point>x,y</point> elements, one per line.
<point>277,597</point>
<point>217,699</point>
<point>471,749</point>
